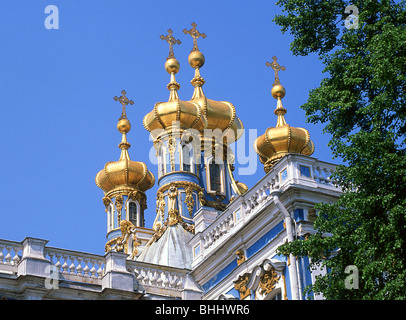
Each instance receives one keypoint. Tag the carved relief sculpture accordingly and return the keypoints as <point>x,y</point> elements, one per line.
<point>241,285</point>
<point>172,211</point>
<point>189,200</point>
<point>268,281</point>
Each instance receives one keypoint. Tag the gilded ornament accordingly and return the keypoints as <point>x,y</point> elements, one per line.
<point>119,205</point>
<point>161,205</point>
<point>172,149</point>
<point>276,67</point>
<point>117,243</point>
<point>171,41</point>
<point>268,281</point>
<point>106,202</point>
<point>173,216</point>
<point>195,34</point>
<point>241,285</point>
<point>240,256</point>
<point>124,102</point>
<point>189,200</point>
<point>202,199</point>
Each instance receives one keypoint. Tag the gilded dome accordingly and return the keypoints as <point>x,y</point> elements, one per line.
<point>124,173</point>
<point>174,113</point>
<point>282,139</point>
<point>219,114</point>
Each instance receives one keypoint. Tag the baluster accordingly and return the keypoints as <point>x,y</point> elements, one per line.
<point>72,267</point>
<point>252,203</point>
<point>58,262</point>
<point>247,207</point>
<point>159,280</point>
<point>1,254</point>
<point>315,174</point>
<point>8,255</point>
<point>172,281</point>
<point>16,258</point>
<point>264,196</point>
<point>230,221</point>
<point>100,271</point>
<point>269,188</point>
<point>179,283</point>
<point>153,278</point>
<point>328,175</point>
<point>86,269</point>
<point>79,268</point>
<point>65,265</point>
<point>93,269</point>
<point>146,276</point>
<point>205,242</point>
<point>321,175</point>
<point>166,280</point>
<point>140,277</point>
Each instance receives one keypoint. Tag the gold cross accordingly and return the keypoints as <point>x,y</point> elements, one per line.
<point>124,101</point>
<point>171,41</point>
<point>195,35</point>
<point>276,67</point>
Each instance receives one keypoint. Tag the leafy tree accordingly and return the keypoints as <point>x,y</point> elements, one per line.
<point>362,102</point>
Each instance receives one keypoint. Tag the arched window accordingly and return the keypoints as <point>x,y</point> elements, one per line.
<point>132,213</point>
<point>187,157</point>
<point>215,176</point>
<point>161,162</point>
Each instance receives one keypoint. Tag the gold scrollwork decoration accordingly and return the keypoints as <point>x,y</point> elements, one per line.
<point>241,285</point>
<point>119,206</point>
<point>268,281</point>
<point>189,200</point>
<point>240,256</point>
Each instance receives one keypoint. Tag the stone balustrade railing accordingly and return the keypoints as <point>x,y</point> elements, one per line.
<point>155,278</point>
<point>77,266</point>
<point>10,255</point>
<point>86,268</point>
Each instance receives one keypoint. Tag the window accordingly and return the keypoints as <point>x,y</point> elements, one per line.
<point>304,171</point>
<point>161,162</point>
<point>237,214</point>
<point>132,213</point>
<point>284,175</point>
<point>196,250</point>
<point>215,176</point>
<point>110,218</point>
<point>187,157</point>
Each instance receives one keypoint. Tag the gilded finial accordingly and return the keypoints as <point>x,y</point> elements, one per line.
<point>276,67</point>
<point>195,35</point>
<point>124,102</point>
<point>171,41</point>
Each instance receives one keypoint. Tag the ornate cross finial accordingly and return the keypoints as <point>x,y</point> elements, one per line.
<point>195,35</point>
<point>276,67</point>
<point>124,101</point>
<point>171,41</point>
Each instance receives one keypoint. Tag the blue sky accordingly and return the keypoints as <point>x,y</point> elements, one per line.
<point>58,123</point>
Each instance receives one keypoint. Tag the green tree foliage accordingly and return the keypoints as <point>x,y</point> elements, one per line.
<point>362,102</point>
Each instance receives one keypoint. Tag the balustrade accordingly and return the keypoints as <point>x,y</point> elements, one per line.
<point>10,255</point>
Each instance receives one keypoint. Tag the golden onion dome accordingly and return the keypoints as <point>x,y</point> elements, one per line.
<point>219,114</point>
<point>174,113</point>
<point>124,173</point>
<point>282,139</point>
